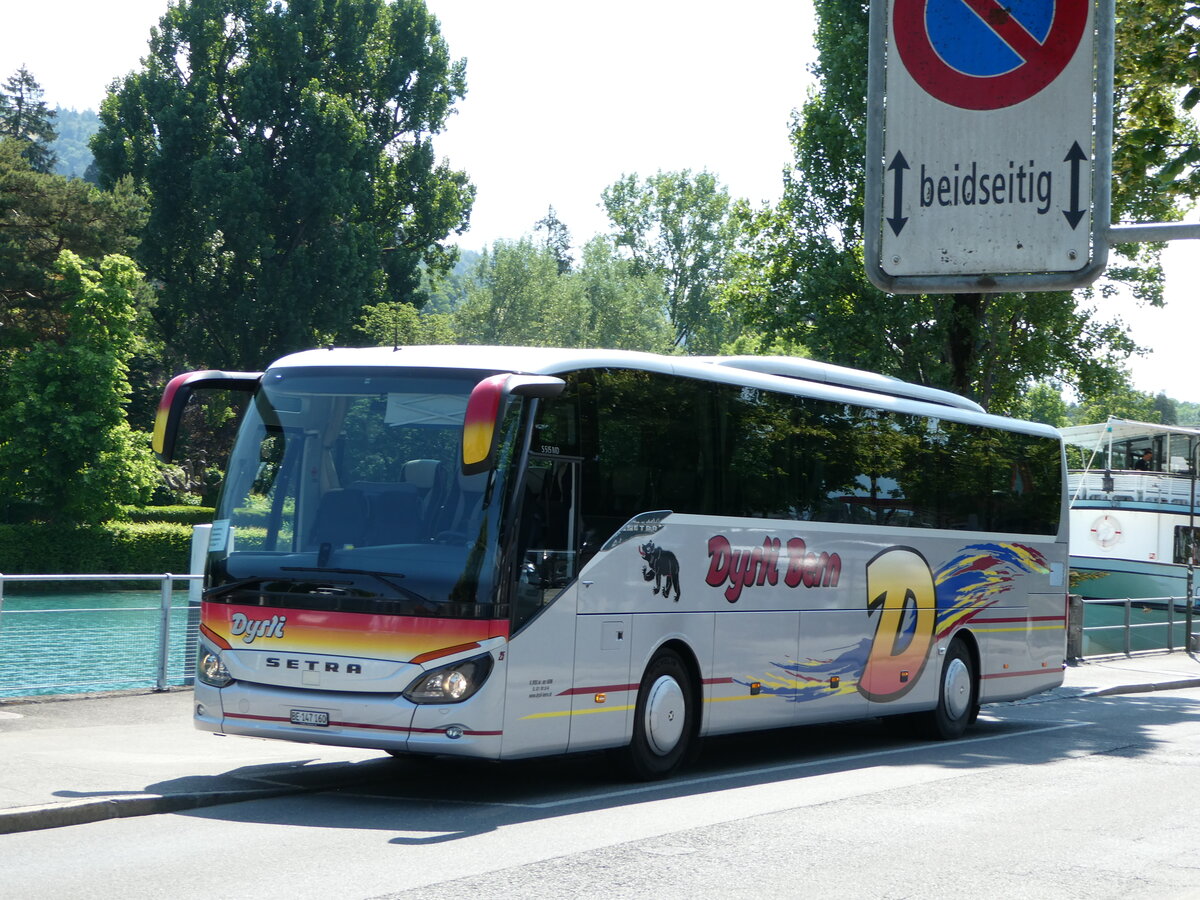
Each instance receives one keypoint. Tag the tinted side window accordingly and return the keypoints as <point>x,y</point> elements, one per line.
<point>653,442</point>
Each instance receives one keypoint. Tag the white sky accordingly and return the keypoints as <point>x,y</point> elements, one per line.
<point>565,97</point>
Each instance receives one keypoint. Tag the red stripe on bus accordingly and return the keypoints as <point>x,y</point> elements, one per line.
<point>399,728</point>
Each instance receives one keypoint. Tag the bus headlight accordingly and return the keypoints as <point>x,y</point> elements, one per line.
<point>211,670</point>
<point>452,683</point>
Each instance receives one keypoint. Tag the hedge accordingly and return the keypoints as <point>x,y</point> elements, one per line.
<point>182,515</point>
<point>122,548</point>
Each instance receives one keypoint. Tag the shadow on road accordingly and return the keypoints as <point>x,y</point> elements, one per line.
<point>432,801</point>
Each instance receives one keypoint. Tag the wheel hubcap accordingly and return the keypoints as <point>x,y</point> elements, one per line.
<point>665,715</point>
<point>957,688</point>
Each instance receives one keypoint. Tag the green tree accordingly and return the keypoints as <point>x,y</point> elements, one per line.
<point>67,453</point>
<point>802,276</point>
<point>24,116</point>
<point>558,240</point>
<point>1188,413</point>
<point>41,215</point>
<point>1157,60</point>
<point>287,151</point>
<point>75,130</point>
<point>623,307</point>
<point>1167,409</point>
<point>1043,402</point>
<point>402,324</point>
<point>1120,399</point>
<point>517,295</point>
<point>679,227</point>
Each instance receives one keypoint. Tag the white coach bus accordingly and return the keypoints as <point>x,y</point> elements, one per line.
<point>505,552</point>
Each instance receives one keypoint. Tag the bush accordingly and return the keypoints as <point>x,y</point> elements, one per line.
<point>112,548</point>
<point>180,515</point>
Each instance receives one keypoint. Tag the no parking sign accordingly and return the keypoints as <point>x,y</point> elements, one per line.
<point>984,173</point>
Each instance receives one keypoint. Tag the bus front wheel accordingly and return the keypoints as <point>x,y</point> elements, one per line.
<point>664,720</point>
<point>958,696</point>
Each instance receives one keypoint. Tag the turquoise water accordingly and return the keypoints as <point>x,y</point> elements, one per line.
<point>1149,627</point>
<point>78,643</point>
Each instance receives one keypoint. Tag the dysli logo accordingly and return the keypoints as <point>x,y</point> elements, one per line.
<point>252,629</point>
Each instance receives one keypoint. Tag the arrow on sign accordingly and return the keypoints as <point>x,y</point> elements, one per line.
<point>1074,156</point>
<point>897,221</point>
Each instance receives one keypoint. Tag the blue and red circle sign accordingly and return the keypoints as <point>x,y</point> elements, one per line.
<point>984,54</point>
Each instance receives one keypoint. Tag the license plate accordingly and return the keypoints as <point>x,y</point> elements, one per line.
<point>309,717</point>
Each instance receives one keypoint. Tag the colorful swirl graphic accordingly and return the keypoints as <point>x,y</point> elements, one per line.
<point>973,580</point>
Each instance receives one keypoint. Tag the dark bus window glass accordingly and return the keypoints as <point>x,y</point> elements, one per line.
<point>657,442</point>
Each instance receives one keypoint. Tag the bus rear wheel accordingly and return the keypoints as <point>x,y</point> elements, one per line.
<point>958,696</point>
<point>664,725</point>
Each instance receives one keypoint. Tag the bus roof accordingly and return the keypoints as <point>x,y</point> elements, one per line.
<point>782,373</point>
<point>842,376</point>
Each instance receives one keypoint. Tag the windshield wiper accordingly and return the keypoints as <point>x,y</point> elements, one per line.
<point>388,578</point>
<point>241,583</point>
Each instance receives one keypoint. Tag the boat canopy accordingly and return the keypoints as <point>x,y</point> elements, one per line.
<point>1118,441</point>
<point>1101,434</point>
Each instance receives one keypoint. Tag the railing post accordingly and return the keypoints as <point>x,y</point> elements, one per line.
<point>1074,627</point>
<point>1170,624</point>
<point>164,634</point>
<point>1128,627</point>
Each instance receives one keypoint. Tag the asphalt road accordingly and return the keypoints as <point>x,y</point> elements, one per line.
<point>1092,798</point>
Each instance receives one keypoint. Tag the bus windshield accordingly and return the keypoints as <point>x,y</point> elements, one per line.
<point>344,491</point>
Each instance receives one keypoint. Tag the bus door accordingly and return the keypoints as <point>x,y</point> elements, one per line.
<point>544,602</point>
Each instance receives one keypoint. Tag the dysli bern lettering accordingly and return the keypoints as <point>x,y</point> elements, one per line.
<point>743,567</point>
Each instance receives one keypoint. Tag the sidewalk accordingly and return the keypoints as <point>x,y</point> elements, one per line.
<point>72,761</point>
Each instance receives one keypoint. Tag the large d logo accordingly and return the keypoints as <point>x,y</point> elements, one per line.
<point>900,591</point>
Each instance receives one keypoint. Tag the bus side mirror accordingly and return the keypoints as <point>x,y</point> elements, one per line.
<point>176,395</point>
<point>481,424</point>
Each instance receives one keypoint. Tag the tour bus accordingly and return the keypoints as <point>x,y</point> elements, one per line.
<point>504,552</point>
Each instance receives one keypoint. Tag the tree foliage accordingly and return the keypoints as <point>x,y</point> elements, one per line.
<point>40,216</point>
<point>802,275</point>
<point>402,324</point>
<point>1043,402</point>
<point>286,149</point>
<point>557,240</point>
<point>680,228</point>
<point>516,294</point>
<point>75,131</point>
<point>67,453</point>
<point>25,117</point>
<point>1121,399</point>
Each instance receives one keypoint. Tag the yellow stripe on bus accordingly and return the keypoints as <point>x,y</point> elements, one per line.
<point>575,712</point>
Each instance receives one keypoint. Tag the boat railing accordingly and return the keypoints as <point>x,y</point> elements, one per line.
<point>1134,487</point>
<point>1135,625</point>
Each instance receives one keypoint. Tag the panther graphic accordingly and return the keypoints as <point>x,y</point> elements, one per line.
<point>661,566</point>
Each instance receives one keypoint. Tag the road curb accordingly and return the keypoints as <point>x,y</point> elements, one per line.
<point>82,812</point>
<point>1145,688</point>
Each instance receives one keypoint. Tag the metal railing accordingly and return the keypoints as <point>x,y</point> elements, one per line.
<point>1164,625</point>
<point>94,647</point>
<point>112,641</point>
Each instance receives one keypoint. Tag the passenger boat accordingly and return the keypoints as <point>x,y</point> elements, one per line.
<point>1133,509</point>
